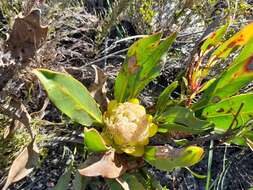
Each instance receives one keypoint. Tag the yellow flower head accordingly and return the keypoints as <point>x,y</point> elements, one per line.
<point>128,126</point>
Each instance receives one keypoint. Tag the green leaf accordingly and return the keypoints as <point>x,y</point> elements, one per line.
<point>94,141</point>
<point>168,158</point>
<point>206,85</point>
<point>142,65</point>
<point>237,76</point>
<point>238,40</point>
<point>164,97</point>
<point>133,182</point>
<point>80,182</point>
<point>222,113</point>
<point>179,118</point>
<point>125,182</point>
<point>245,139</point>
<point>214,38</point>
<point>70,96</point>
<point>114,185</point>
<point>244,136</point>
<point>199,176</point>
<point>64,181</point>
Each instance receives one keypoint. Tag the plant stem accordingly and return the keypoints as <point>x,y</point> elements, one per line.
<point>210,160</point>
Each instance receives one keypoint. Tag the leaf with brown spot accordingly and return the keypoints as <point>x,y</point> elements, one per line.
<point>110,165</point>
<point>26,36</point>
<point>238,40</point>
<point>23,164</point>
<point>133,67</point>
<point>238,75</point>
<point>144,61</point>
<point>231,105</point>
<point>167,158</point>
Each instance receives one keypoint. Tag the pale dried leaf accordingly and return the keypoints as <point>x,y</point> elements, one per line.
<point>97,89</point>
<point>23,164</point>
<point>26,36</point>
<point>110,166</point>
<point>41,113</point>
<point>10,130</point>
<point>249,143</point>
<point>123,183</point>
<point>17,111</point>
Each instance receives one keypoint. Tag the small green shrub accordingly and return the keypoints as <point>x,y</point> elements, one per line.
<point>118,139</point>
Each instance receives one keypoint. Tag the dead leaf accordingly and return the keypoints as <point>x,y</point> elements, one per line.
<point>97,90</point>
<point>10,130</point>
<point>111,165</point>
<point>41,113</point>
<point>23,164</point>
<point>249,143</point>
<point>17,111</point>
<point>123,183</point>
<point>26,36</point>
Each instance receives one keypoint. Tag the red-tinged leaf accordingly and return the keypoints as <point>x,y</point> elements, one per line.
<point>237,76</point>
<point>214,38</point>
<point>238,40</point>
<point>111,165</point>
<point>23,164</point>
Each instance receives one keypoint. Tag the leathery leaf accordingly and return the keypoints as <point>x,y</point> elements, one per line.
<point>165,98</point>
<point>222,113</point>
<point>177,118</point>
<point>168,158</point>
<point>237,76</point>
<point>143,63</point>
<point>238,40</point>
<point>94,141</point>
<point>70,96</point>
<point>214,38</point>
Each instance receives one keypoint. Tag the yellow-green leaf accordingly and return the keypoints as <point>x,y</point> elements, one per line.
<point>168,158</point>
<point>143,63</point>
<point>164,97</point>
<point>238,40</point>
<point>70,96</point>
<point>214,38</point>
<point>177,118</point>
<point>222,113</point>
<point>94,141</point>
<point>237,76</point>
